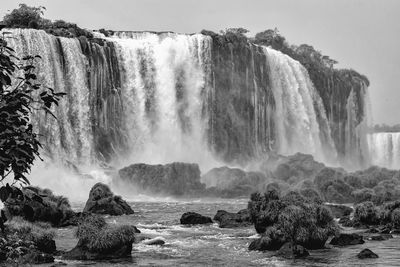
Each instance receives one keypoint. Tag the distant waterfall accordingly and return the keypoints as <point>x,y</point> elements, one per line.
<point>301,121</point>
<point>385,149</point>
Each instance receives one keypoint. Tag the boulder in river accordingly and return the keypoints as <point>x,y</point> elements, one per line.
<point>232,220</point>
<point>347,239</point>
<point>367,254</point>
<point>194,218</point>
<point>176,179</point>
<point>97,240</point>
<point>103,201</point>
<point>291,251</point>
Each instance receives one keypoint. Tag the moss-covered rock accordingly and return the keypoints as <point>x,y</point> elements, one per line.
<point>97,240</point>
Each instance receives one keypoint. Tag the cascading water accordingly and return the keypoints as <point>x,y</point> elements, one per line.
<point>298,107</point>
<point>158,98</point>
<point>163,87</point>
<point>385,149</point>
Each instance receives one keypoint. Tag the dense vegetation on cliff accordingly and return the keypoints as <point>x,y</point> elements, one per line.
<point>31,17</point>
<point>341,90</point>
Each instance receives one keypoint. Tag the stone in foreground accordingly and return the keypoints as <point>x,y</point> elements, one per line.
<point>103,201</point>
<point>367,254</point>
<point>195,218</point>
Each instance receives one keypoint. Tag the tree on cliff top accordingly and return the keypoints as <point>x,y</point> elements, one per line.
<point>24,16</point>
<point>20,96</point>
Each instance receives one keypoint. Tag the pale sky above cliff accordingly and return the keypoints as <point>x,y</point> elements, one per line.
<point>360,34</point>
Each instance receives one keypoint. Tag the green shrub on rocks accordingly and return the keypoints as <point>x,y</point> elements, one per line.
<point>366,213</point>
<point>291,218</point>
<point>98,240</point>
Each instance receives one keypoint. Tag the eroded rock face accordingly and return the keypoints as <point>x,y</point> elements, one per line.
<point>176,179</point>
<point>232,220</point>
<point>347,240</point>
<point>194,218</point>
<point>103,201</point>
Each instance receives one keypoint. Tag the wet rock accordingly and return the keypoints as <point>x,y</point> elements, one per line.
<point>103,201</point>
<point>372,230</point>
<point>81,252</point>
<point>194,218</point>
<point>232,220</point>
<point>347,239</point>
<point>154,241</point>
<point>346,221</point>
<point>291,251</point>
<point>367,254</point>
<point>174,179</point>
<point>266,243</point>
<point>339,211</point>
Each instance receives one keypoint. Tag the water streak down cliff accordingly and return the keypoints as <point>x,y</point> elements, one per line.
<point>157,98</point>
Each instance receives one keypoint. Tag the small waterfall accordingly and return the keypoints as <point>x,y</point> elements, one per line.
<point>301,122</point>
<point>385,149</point>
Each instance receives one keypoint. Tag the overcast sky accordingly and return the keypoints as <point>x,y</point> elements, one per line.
<point>360,34</point>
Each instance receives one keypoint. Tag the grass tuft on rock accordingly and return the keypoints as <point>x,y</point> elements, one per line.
<point>97,235</point>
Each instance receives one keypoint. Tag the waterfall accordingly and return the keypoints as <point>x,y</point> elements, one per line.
<point>163,97</point>
<point>385,149</point>
<point>301,122</point>
<point>163,88</point>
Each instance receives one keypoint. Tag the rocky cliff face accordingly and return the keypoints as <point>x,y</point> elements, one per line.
<point>240,103</point>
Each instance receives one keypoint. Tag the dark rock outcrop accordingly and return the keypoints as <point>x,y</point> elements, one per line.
<point>232,220</point>
<point>194,218</point>
<point>367,254</point>
<point>291,251</point>
<point>36,204</point>
<point>347,240</point>
<point>81,252</point>
<point>176,179</point>
<point>103,201</point>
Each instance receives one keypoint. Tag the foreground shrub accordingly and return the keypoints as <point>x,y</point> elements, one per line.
<point>291,218</point>
<point>27,243</point>
<point>96,235</point>
<point>366,213</point>
<point>36,204</point>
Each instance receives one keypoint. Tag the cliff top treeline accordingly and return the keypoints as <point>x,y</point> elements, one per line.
<point>32,17</point>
